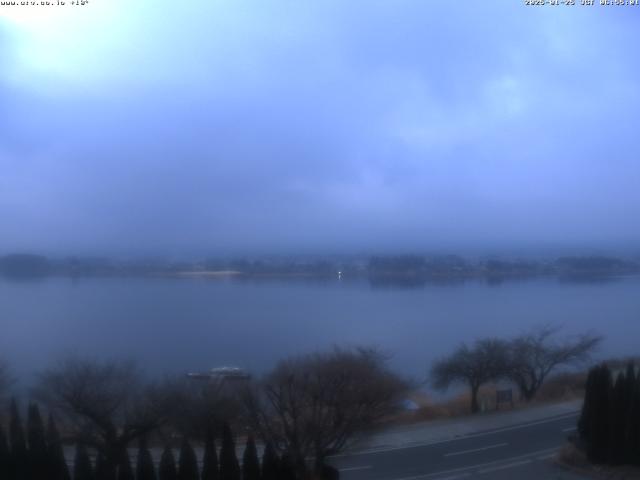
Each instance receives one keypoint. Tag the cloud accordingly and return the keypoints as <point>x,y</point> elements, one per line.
<point>367,125</point>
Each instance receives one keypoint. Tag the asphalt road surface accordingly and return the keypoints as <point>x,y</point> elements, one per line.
<point>522,452</point>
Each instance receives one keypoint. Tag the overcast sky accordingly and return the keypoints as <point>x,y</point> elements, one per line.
<point>207,126</point>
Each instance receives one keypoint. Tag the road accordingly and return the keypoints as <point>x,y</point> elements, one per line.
<point>522,452</point>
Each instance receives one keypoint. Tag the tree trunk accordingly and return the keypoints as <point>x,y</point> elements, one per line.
<point>475,407</point>
<point>527,394</point>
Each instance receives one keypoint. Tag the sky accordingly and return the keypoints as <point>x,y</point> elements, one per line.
<point>222,127</point>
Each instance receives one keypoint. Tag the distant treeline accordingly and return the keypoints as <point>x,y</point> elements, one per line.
<point>402,268</point>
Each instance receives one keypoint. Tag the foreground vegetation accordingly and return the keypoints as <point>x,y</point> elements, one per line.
<point>39,455</point>
<point>308,408</point>
<point>609,425</point>
<point>305,410</point>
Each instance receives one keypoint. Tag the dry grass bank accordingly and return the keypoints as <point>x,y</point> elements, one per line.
<point>559,388</point>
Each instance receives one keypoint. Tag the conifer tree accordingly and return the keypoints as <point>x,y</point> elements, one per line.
<point>617,420</point>
<point>633,436</point>
<point>585,423</point>
<point>82,469</point>
<point>37,455</point>
<point>287,468</point>
<point>597,448</point>
<point>59,469</point>
<point>18,464</point>
<point>125,472</point>
<point>167,469</point>
<point>99,468</point>
<point>270,463</point>
<point>188,462</point>
<point>210,469</point>
<point>4,455</point>
<point>250,462</point>
<point>104,470</point>
<point>630,413</point>
<point>145,469</point>
<point>229,466</point>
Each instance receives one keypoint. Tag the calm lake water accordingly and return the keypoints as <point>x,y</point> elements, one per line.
<point>179,325</point>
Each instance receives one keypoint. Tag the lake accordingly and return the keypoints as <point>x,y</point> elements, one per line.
<point>177,325</point>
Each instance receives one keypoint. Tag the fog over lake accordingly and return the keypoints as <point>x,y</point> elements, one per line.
<point>179,325</point>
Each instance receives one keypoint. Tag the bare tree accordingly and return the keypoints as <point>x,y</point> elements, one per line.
<point>534,355</point>
<point>486,360</point>
<point>104,402</point>
<point>194,407</point>
<point>312,406</point>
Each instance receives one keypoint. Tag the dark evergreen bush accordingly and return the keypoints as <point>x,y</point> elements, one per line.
<point>125,472</point>
<point>145,470</point>
<point>82,469</point>
<point>229,466</point>
<point>270,463</point>
<point>37,454</point>
<point>633,435</point>
<point>250,462</point>
<point>210,470</point>
<point>585,423</point>
<point>287,469</point>
<point>609,425</point>
<point>617,421</point>
<point>167,469</point>
<point>104,469</point>
<point>19,456</point>
<point>4,455</point>
<point>58,469</point>
<point>598,428</point>
<point>188,463</point>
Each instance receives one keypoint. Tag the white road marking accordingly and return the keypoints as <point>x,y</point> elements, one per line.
<point>504,467</point>
<point>570,429</point>
<point>546,457</point>
<point>473,450</point>
<point>373,451</point>
<point>481,465</point>
<point>351,469</point>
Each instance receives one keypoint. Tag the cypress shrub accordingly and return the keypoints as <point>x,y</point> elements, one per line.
<point>18,460</point>
<point>585,423</point>
<point>58,467</point>
<point>229,466</point>
<point>125,472</point>
<point>188,463</point>
<point>167,469</point>
<point>617,417</point>
<point>4,455</point>
<point>105,470</point>
<point>270,463</point>
<point>82,469</point>
<point>37,455</point>
<point>633,437</point>
<point>210,469</point>
<point>250,462</point>
<point>597,447</point>
<point>630,431</point>
<point>287,469</point>
<point>145,470</point>
<point>609,424</point>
